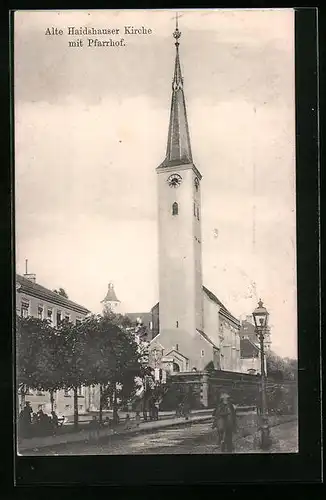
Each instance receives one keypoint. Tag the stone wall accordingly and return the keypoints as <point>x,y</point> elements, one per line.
<point>205,388</point>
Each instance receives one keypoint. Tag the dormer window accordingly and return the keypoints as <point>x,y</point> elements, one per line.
<point>175,208</point>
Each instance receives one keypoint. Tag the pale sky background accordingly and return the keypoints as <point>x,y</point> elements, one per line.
<point>91,126</point>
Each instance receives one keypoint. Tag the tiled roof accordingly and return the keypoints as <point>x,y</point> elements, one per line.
<point>248,349</point>
<point>223,309</point>
<point>36,290</point>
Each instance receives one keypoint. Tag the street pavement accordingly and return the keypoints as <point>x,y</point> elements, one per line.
<point>194,438</point>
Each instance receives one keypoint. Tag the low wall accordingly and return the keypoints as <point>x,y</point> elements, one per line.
<point>204,389</point>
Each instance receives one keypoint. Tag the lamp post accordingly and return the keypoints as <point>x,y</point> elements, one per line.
<point>260,316</point>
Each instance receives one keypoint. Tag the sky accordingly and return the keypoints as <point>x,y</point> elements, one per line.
<point>91,127</point>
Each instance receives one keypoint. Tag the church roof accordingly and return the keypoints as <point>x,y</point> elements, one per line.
<point>224,311</point>
<point>110,296</point>
<point>178,149</point>
<point>206,337</point>
<point>40,292</point>
<point>248,349</point>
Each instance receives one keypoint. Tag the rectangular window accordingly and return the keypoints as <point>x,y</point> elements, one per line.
<point>67,407</point>
<point>40,312</point>
<point>67,392</point>
<point>50,315</point>
<point>195,209</point>
<point>197,213</point>
<point>80,407</point>
<point>202,353</point>
<point>59,318</point>
<point>24,309</point>
<point>80,391</point>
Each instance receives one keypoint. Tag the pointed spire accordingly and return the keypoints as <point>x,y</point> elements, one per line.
<point>178,144</point>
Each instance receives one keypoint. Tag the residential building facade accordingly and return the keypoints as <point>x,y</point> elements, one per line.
<point>37,301</point>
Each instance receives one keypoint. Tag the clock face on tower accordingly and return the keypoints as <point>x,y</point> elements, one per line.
<point>174,180</point>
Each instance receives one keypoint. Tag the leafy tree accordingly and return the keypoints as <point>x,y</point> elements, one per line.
<point>210,367</point>
<point>73,343</point>
<point>281,368</point>
<point>38,356</point>
<point>112,358</point>
<point>99,350</point>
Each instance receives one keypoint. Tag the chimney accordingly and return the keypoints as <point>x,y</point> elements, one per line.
<point>27,275</point>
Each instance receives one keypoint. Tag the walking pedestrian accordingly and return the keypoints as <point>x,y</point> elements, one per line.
<point>224,421</point>
<point>94,430</point>
<point>54,421</point>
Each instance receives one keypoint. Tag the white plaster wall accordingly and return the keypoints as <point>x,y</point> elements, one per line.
<point>211,319</point>
<point>179,269</point>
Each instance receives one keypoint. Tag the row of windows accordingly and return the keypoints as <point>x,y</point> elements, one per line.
<point>45,314</point>
<point>175,209</point>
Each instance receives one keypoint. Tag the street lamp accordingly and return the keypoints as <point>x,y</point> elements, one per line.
<point>260,316</point>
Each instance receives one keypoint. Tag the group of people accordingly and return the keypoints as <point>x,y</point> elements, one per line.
<point>39,423</point>
<point>224,420</point>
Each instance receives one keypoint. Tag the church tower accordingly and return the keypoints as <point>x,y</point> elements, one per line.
<point>110,302</point>
<point>179,224</point>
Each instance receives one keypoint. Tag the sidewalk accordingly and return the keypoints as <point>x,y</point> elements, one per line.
<point>83,435</point>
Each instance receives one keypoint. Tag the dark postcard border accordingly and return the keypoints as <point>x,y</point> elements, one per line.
<point>192,469</point>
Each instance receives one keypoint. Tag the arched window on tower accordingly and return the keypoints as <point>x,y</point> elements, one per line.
<point>175,208</point>
<point>197,213</point>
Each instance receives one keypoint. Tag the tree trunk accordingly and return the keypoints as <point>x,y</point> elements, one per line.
<point>76,408</point>
<point>101,404</point>
<point>115,406</point>
<point>23,396</point>
<point>52,400</point>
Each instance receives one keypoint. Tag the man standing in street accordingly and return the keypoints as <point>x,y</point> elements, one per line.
<point>224,421</point>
